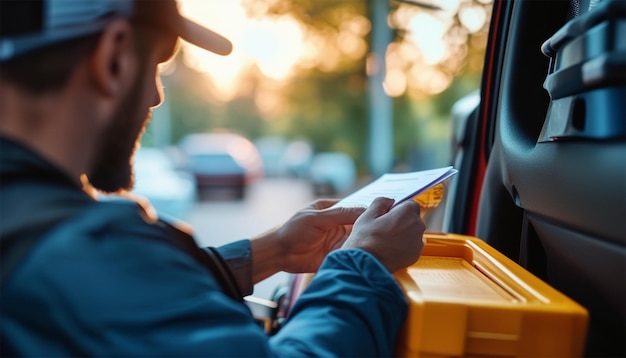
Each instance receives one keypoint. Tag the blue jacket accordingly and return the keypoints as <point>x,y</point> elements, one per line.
<point>106,283</point>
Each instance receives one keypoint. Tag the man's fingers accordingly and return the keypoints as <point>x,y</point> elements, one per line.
<point>343,215</point>
<point>410,205</point>
<point>321,204</point>
<point>378,207</point>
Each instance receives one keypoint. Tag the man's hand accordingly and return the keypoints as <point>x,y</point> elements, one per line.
<point>313,232</point>
<point>392,236</point>
<point>301,244</point>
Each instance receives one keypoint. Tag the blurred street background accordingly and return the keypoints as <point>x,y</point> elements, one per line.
<point>318,98</point>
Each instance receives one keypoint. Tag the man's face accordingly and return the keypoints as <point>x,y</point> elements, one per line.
<point>112,170</point>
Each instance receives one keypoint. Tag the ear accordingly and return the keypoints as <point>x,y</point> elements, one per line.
<point>113,61</point>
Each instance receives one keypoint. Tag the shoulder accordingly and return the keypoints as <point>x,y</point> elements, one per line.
<point>109,246</point>
<point>112,217</point>
<point>106,264</point>
<point>117,230</point>
<point>110,267</point>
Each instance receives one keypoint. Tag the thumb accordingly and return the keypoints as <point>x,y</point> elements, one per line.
<point>379,206</point>
<point>342,215</point>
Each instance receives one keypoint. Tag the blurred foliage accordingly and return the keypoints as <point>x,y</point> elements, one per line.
<point>327,104</point>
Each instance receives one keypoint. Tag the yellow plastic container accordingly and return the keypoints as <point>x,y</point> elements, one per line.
<point>468,300</point>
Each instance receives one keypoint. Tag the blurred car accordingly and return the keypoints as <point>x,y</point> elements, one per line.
<point>332,173</point>
<point>171,192</point>
<point>272,149</point>
<point>297,158</point>
<point>222,161</point>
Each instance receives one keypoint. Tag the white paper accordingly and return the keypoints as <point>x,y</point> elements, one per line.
<point>397,186</point>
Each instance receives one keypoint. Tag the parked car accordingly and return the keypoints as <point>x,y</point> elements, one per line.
<point>222,160</point>
<point>272,149</point>
<point>297,158</point>
<point>170,191</point>
<point>332,173</point>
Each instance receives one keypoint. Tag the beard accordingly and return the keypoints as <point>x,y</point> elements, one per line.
<point>113,166</point>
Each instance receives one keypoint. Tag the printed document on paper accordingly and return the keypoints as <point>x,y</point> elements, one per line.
<point>397,186</point>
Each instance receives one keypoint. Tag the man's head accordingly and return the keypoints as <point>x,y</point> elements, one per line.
<point>29,25</point>
<point>29,28</point>
<point>43,42</point>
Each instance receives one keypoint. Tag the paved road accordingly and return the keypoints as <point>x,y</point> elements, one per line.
<point>268,203</point>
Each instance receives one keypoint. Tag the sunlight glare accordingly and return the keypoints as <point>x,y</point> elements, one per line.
<point>408,52</point>
<point>351,36</point>
<point>395,83</point>
<point>310,54</point>
<point>427,33</point>
<point>352,45</point>
<point>225,18</point>
<point>473,18</point>
<point>394,58</point>
<point>358,25</point>
<point>275,46</point>
<point>449,6</point>
<point>428,79</point>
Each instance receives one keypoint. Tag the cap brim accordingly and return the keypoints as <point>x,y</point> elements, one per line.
<point>200,36</point>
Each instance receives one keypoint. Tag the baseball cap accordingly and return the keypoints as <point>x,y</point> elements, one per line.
<point>28,25</point>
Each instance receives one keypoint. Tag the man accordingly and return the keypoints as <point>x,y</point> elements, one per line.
<point>82,277</point>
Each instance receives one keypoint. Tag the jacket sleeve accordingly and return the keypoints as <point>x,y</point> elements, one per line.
<point>352,308</point>
<point>352,299</point>
<point>238,257</point>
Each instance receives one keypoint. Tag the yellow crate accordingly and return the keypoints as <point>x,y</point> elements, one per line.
<point>468,300</point>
